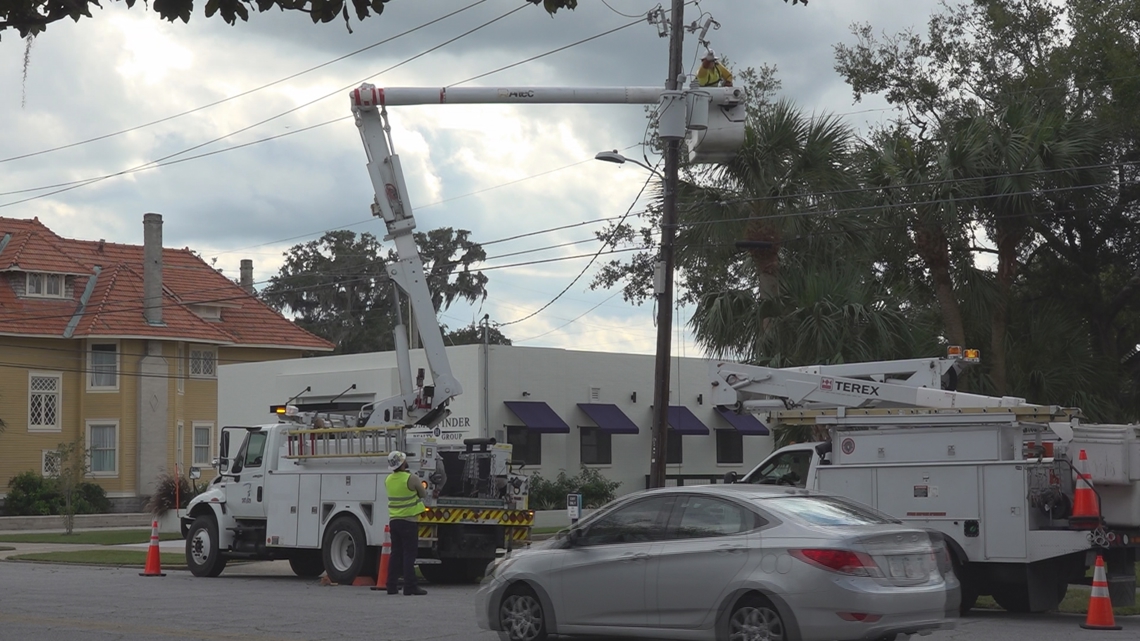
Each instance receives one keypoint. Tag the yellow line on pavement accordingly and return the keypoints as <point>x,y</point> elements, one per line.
<point>78,624</point>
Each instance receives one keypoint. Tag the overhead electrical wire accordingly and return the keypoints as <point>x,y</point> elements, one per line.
<point>588,265</point>
<point>83,183</point>
<point>244,93</point>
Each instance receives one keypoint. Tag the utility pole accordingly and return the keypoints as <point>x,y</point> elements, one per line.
<point>668,233</point>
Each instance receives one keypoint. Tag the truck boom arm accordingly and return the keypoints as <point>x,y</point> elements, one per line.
<point>426,405</point>
<point>909,383</point>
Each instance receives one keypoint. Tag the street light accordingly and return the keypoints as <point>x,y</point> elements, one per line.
<point>663,291</point>
<point>615,157</point>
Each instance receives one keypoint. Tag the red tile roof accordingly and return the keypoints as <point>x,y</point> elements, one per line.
<point>114,307</point>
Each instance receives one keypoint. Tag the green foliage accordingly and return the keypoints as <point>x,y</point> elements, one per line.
<point>168,489</point>
<point>596,490</point>
<point>30,494</point>
<point>337,287</point>
<point>473,335</point>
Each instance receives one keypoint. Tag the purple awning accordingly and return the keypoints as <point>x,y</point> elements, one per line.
<point>683,421</point>
<point>609,418</point>
<point>744,423</point>
<point>538,416</point>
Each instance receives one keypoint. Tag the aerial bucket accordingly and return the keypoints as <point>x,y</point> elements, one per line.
<point>723,137</point>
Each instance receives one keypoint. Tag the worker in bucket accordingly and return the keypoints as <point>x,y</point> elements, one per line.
<point>712,73</point>
<point>406,494</point>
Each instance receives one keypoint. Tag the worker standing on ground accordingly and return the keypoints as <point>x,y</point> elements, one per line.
<point>406,494</point>
<point>712,73</point>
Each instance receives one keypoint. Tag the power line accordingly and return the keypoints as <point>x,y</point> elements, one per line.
<point>244,93</point>
<point>595,257</point>
<point>89,181</point>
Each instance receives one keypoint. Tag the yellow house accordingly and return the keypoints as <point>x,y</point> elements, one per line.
<point>118,347</point>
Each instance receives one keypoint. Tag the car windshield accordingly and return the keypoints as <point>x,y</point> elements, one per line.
<point>826,510</point>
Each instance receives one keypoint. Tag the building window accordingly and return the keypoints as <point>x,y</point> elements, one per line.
<point>729,447</point>
<point>673,453</point>
<point>49,463</point>
<point>180,369</point>
<point>102,448</point>
<point>526,445</point>
<point>595,446</point>
<point>103,366</point>
<point>43,402</point>
<point>203,362</point>
<point>202,434</point>
<point>45,285</point>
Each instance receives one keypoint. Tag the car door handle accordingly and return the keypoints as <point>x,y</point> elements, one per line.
<point>730,549</point>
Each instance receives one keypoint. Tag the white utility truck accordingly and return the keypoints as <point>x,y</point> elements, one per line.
<point>310,488</point>
<point>994,475</point>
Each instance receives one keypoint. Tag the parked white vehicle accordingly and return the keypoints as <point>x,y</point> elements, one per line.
<point>994,475</point>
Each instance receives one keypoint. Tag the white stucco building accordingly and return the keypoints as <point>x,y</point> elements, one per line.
<point>561,409</point>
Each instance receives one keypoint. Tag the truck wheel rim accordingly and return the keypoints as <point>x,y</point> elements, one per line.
<point>200,547</point>
<point>343,550</point>
<point>521,617</point>
<point>755,624</point>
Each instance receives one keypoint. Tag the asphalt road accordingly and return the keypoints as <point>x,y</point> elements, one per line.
<point>264,602</point>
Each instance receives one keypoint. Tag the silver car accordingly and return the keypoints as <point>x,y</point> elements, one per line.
<point>735,562</point>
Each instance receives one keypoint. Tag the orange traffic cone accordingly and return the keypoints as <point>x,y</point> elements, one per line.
<point>1100,605</point>
<point>1086,510</point>
<point>153,563</point>
<point>385,552</point>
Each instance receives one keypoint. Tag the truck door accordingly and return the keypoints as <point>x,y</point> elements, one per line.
<point>245,485</point>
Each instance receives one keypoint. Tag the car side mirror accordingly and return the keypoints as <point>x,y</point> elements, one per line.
<point>574,536</point>
<point>731,476</point>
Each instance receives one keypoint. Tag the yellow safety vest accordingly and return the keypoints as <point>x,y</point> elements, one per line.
<point>403,503</point>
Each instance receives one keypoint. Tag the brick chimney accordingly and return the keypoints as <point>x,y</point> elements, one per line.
<point>247,275</point>
<point>152,268</point>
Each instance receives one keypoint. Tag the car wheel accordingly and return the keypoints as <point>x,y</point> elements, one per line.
<point>203,553</point>
<point>344,550</point>
<point>755,619</point>
<point>521,617</point>
<point>307,563</point>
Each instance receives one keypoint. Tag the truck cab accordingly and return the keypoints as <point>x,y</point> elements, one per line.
<point>794,465</point>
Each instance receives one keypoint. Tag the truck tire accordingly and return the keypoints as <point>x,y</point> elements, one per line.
<point>1012,597</point>
<point>307,563</point>
<point>344,550</point>
<point>969,586</point>
<point>203,552</point>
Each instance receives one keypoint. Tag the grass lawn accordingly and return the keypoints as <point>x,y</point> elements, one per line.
<point>537,530</point>
<point>123,558</point>
<point>1076,601</point>
<point>110,537</point>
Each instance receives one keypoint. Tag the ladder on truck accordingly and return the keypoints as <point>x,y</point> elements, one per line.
<point>342,442</point>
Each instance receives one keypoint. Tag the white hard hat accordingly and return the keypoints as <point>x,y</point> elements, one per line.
<point>396,458</point>
<point>709,55</point>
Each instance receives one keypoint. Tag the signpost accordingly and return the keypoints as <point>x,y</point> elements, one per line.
<point>574,507</point>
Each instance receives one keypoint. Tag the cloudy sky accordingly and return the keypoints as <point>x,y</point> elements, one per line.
<point>268,168</point>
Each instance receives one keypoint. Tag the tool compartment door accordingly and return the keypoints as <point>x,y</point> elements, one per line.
<point>1003,523</point>
<point>281,509</point>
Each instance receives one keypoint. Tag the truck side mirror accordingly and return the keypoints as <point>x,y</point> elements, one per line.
<point>731,476</point>
<point>195,473</point>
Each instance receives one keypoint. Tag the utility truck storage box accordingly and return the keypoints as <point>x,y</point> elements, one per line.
<point>941,444</point>
<point>1113,453</point>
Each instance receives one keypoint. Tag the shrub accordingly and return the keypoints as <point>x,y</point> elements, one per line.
<point>30,494</point>
<point>596,490</point>
<point>164,495</point>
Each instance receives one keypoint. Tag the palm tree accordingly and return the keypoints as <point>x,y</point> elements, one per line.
<point>813,293</point>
